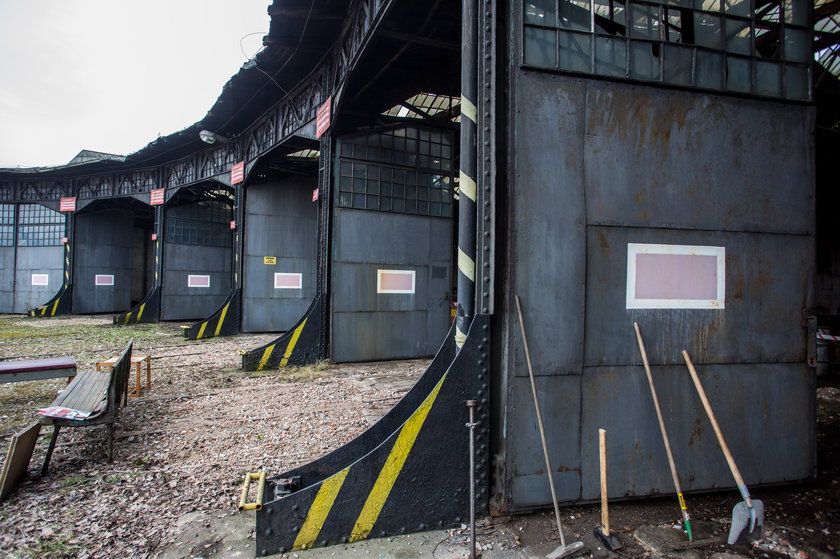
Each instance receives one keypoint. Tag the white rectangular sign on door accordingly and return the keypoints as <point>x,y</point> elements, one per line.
<point>675,276</point>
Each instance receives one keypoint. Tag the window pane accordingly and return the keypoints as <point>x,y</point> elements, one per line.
<point>768,78</point>
<point>738,36</point>
<point>797,83</point>
<point>575,52</point>
<point>644,21</point>
<point>644,65</point>
<point>709,71</point>
<point>796,12</point>
<point>707,31</point>
<point>575,14</point>
<point>540,48</point>
<point>707,5</point>
<point>737,7</point>
<point>797,46</point>
<point>738,74</point>
<point>610,56</point>
<point>540,12</point>
<point>677,65</point>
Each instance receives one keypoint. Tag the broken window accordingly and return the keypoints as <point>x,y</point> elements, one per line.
<point>760,47</point>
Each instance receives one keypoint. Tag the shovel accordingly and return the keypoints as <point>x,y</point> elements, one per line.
<point>749,511</point>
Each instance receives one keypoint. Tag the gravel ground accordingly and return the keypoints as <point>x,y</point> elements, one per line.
<point>181,447</point>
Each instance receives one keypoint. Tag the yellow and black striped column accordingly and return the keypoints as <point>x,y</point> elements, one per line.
<point>467,181</point>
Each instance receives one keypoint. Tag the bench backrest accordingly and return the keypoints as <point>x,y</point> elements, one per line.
<point>118,384</point>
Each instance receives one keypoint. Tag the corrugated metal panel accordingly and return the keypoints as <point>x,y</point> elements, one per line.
<point>103,243</point>
<point>367,325</point>
<point>37,260</point>
<point>281,223</point>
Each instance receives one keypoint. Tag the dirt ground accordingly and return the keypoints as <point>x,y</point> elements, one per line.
<point>183,446</point>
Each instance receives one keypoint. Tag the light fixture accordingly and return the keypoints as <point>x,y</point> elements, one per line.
<point>211,137</point>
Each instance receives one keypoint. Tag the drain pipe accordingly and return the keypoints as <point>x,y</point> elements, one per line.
<point>467,200</point>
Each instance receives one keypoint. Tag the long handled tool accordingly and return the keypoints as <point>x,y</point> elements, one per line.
<point>749,511</point>
<point>564,550</point>
<point>665,439</point>
<point>603,531</point>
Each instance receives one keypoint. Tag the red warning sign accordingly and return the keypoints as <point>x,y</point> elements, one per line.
<point>315,195</point>
<point>67,204</point>
<point>157,196</point>
<point>237,173</point>
<point>322,118</point>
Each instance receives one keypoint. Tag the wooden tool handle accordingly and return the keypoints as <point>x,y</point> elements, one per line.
<point>602,452</point>
<point>729,459</point>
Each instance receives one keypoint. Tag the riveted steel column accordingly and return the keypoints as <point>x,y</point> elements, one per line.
<point>467,202</point>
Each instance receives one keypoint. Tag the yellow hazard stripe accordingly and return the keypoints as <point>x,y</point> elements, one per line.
<point>201,330</point>
<point>265,356</point>
<point>466,264</point>
<point>460,337</point>
<point>467,186</point>
<point>140,312</point>
<point>392,467</point>
<point>319,510</point>
<point>55,306</point>
<point>468,109</point>
<point>221,319</point>
<point>127,317</point>
<point>292,343</point>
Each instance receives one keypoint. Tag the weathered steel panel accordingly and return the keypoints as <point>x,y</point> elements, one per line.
<point>282,225</point>
<point>367,325</point>
<point>767,279</point>
<point>7,279</point>
<point>180,302</point>
<point>549,240</point>
<point>660,158</point>
<point>594,166</point>
<point>759,407</point>
<point>559,397</point>
<point>103,242</point>
<point>37,260</point>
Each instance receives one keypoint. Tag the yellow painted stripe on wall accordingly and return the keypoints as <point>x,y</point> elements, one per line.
<point>265,356</point>
<point>292,343</point>
<point>140,312</point>
<point>221,319</point>
<point>468,109</point>
<point>467,186</point>
<point>127,317</point>
<point>319,510</point>
<point>201,331</point>
<point>466,264</point>
<point>392,467</point>
<point>55,306</point>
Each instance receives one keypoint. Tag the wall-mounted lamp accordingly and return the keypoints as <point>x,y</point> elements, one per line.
<point>211,137</point>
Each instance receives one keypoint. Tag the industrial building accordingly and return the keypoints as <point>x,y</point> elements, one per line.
<point>382,162</point>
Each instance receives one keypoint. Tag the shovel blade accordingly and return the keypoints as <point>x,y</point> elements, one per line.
<point>744,529</point>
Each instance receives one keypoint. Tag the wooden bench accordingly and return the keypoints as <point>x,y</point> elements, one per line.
<point>35,369</point>
<point>98,394</point>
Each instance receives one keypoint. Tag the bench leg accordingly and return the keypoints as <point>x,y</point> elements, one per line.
<point>46,465</point>
<point>110,427</point>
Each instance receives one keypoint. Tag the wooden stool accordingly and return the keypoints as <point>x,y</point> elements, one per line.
<point>137,362</point>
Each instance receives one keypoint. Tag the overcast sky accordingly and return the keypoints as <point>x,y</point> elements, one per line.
<point>113,75</point>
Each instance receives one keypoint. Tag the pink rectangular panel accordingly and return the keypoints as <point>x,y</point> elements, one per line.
<point>395,281</point>
<point>198,281</point>
<point>288,281</point>
<point>40,279</point>
<point>676,276</point>
<point>103,279</point>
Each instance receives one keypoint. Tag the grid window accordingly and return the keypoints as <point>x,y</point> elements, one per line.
<point>7,225</point>
<point>408,170</point>
<point>39,226</point>
<point>202,224</point>
<point>709,44</point>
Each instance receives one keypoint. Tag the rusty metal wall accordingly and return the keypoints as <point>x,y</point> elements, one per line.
<point>366,325</point>
<point>281,222</point>
<point>103,246</point>
<point>593,166</point>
